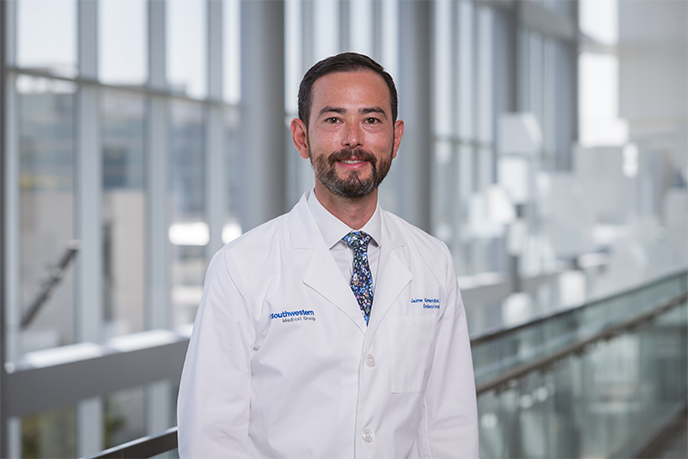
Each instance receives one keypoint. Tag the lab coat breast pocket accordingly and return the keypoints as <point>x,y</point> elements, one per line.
<point>412,346</point>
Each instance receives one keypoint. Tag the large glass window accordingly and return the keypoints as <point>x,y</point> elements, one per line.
<point>142,153</point>
<point>123,213</point>
<point>465,117</point>
<point>46,35</point>
<point>189,230</point>
<point>186,56</point>
<point>231,51</point>
<point>46,148</point>
<point>122,54</point>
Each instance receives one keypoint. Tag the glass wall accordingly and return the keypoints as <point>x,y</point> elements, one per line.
<point>123,212</point>
<point>603,403</point>
<point>464,104</point>
<point>188,232</point>
<point>46,35</point>
<point>45,114</point>
<point>122,42</point>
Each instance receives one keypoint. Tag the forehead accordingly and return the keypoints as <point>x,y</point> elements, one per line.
<point>363,88</point>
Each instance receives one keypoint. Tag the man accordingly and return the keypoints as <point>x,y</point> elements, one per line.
<point>336,330</point>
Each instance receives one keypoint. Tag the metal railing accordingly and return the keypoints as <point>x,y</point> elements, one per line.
<point>578,348</point>
<point>510,376</point>
<point>600,380</point>
<point>499,352</point>
<point>143,447</point>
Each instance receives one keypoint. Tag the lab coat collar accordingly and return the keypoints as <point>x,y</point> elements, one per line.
<point>323,273</point>
<point>333,229</point>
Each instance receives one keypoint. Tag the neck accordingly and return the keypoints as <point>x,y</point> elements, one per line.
<point>354,212</point>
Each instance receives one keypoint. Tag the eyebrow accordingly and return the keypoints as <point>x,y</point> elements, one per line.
<point>373,110</point>
<point>362,111</point>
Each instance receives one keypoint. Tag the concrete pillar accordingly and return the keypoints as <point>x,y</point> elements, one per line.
<point>263,117</point>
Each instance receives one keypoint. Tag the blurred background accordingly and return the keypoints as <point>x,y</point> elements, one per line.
<point>546,144</point>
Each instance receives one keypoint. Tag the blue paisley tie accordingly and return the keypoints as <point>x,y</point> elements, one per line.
<point>362,278</point>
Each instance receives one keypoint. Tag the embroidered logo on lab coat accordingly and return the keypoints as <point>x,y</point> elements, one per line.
<point>293,316</point>
<point>428,303</point>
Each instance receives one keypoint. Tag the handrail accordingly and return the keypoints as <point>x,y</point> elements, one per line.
<point>149,446</point>
<point>489,335</point>
<point>505,380</point>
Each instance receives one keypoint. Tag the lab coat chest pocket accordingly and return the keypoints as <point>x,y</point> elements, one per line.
<point>412,346</point>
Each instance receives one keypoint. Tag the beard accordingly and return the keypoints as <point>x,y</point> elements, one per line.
<point>352,185</point>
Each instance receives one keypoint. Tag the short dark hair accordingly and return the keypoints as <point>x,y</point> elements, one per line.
<point>344,62</point>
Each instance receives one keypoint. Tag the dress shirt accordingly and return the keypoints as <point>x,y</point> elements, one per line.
<point>333,230</point>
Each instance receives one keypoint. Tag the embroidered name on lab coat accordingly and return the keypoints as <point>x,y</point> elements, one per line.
<point>293,316</point>
<point>428,303</point>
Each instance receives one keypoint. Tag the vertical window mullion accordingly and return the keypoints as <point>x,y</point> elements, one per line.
<point>214,131</point>
<point>10,436</point>
<point>442,183</point>
<point>157,242</point>
<point>157,167</point>
<point>89,182</point>
<point>11,206</point>
<point>89,176</point>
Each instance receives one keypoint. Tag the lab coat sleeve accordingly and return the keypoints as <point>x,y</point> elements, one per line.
<point>214,393</point>
<point>450,415</point>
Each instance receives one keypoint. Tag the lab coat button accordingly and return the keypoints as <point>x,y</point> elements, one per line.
<point>370,360</point>
<point>368,436</point>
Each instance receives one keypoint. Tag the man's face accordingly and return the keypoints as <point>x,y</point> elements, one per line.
<point>351,138</point>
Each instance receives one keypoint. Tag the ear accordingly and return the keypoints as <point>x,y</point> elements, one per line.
<point>299,135</point>
<point>398,133</point>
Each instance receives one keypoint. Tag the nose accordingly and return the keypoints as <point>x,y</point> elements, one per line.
<point>353,136</point>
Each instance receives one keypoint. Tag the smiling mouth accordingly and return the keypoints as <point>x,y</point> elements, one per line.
<point>352,157</point>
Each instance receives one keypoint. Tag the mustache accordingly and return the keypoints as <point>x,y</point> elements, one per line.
<point>347,154</point>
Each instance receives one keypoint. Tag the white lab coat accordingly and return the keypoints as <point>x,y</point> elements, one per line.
<point>281,363</point>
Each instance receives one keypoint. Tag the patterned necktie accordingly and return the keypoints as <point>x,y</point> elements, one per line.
<point>362,278</point>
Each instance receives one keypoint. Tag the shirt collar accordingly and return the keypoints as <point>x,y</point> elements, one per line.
<point>333,229</point>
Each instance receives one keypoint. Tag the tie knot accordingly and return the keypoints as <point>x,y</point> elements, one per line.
<point>357,240</point>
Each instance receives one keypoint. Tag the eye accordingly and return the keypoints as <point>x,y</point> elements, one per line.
<point>331,120</point>
<point>372,121</point>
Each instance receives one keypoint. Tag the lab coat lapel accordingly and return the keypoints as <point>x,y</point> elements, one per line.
<point>393,274</point>
<point>324,277</point>
<point>323,274</point>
